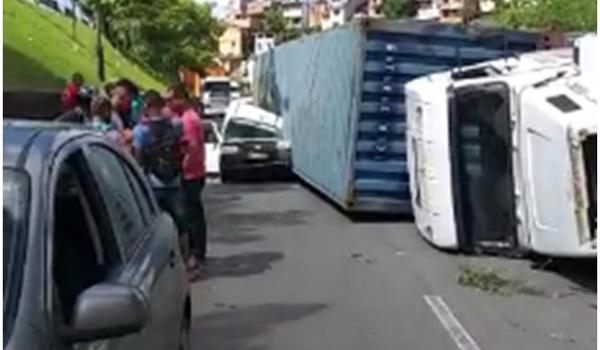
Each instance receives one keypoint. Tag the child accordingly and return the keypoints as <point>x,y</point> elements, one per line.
<point>103,121</point>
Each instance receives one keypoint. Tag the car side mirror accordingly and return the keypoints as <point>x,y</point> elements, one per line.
<point>107,311</point>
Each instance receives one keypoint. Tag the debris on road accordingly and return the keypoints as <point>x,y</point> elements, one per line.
<point>490,280</point>
<point>562,337</point>
<point>361,258</point>
<point>517,325</point>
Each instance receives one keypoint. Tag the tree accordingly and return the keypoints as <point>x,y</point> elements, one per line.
<point>552,15</point>
<point>394,9</point>
<point>163,35</point>
<point>275,24</point>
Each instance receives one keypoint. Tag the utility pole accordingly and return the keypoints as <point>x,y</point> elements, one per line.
<point>99,47</point>
<point>74,19</point>
<point>305,16</point>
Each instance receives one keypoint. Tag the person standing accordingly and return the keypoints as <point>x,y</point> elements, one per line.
<point>156,147</point>
<point>194,171</point>
<point>69,95</point>
<point>101,111</point>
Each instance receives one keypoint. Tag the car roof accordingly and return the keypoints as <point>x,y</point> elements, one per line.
<point>20,137</point>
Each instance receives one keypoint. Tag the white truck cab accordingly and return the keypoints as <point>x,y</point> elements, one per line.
<point>502,155</point>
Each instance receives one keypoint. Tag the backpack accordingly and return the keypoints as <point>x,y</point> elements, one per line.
<point>163,155</point>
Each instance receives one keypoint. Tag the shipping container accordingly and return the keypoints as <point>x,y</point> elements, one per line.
<point>341,94</point>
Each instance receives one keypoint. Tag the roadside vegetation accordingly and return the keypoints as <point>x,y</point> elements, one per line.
<point>40,52</point>
<point>162,35</point>
<point>545,15</point>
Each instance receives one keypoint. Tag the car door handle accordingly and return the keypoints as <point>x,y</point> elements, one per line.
<point>172,258</point>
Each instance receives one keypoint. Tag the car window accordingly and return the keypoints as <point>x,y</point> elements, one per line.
<point>15,211</point>
<point>141,193</point>
<point>217,86</point>
<point>121,201</point>
<point>241,128</point>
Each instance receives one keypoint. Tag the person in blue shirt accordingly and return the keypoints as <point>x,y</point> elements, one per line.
<point>156,146</point>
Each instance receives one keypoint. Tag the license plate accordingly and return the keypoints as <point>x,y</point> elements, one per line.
<point>257,156</point>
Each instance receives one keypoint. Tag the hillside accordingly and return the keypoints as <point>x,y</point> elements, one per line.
<point>40,51</point>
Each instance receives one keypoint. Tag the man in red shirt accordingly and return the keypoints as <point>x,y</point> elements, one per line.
<point>193,168</point>
<point>69,95</point>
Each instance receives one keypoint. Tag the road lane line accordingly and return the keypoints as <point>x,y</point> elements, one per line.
<point>459,334</point>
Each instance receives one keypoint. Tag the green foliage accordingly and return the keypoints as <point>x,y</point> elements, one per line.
<point>395,9</point>
<point>40,52</point>
<point>275,24</point>
<point>162,34</point>
<point>555,15</point>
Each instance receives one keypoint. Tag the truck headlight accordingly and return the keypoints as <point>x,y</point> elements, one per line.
<point>230,149</point>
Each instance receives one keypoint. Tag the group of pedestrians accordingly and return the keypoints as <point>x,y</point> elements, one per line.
<point>165,135</point>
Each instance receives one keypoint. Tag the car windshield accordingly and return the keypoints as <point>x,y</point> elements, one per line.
<point>15,223</point>
<point>217,86</point>
<point>248,129</point>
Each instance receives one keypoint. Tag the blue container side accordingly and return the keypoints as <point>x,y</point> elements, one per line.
<point>395,53</point>
<point>316,82</point>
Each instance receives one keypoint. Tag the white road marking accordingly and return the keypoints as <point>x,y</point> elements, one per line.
<point>459,334</point>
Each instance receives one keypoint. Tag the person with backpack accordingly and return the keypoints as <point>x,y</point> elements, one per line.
<point>194,170</point>
<point>156,147</point>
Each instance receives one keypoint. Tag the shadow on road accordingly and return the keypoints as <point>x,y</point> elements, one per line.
<point>241,329</point>
<point>239,228</point>
<point>240,265</point>
<point>254,186</point>
<point>582,272</point>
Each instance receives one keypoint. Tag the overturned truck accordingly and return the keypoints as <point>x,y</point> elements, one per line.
<point>502,154</point>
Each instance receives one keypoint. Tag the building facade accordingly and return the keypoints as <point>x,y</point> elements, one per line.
<point>451,11</point>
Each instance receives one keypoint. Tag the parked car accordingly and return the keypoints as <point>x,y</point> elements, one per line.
<point>212,146</point>
<point>253,143</point>
<point>89,259</point>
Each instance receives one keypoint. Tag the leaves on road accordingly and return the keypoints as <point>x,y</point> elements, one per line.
<point>492,281</point>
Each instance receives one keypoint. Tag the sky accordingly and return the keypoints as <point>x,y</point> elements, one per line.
<point>219,7</point>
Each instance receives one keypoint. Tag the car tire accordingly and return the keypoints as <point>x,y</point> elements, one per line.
<point>226,177</point>
<point>184,335</point>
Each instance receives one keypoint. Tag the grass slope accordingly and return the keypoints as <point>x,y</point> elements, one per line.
<point>40,51</point>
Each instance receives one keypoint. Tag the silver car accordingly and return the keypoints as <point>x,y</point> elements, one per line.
<point>90,262</point>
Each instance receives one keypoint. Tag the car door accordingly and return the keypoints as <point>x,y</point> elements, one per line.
<point>149,242</point>
<point>71,264</point>
<point>212,149</point>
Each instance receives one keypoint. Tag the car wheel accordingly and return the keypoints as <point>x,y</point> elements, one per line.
<point>225,177</point>
<point>184,335</point>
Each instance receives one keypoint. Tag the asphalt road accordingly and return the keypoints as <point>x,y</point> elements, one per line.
<point>288,271</point>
